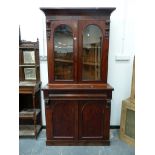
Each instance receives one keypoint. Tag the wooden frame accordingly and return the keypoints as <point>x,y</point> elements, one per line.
<point>125,134</point>
<point>132,96</point>
<point>29,57</point>
<point>30,73</point>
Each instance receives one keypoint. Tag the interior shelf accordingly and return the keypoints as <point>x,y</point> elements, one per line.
<point>28,130</point>
<point>28,113</point>
<point>63,60</point>
<point>91,63</point>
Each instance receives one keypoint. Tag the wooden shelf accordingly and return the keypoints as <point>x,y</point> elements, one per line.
<point>63,60</point>
<point>27,83</point>
<point>28,65</point>
<point>28,113</point>
<point>91,63</point>
<point>28,130</point>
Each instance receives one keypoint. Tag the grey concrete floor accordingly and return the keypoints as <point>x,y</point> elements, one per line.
<point>30,146</point>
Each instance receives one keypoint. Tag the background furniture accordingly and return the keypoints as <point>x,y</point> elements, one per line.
<point>29,89</point>
<point>127,126</point>
<point>77,96</point>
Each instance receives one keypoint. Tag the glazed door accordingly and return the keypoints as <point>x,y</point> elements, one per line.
<point>92,120</point>
<point>62,51</point>
<point>92,51</point>
<point>61,117</point>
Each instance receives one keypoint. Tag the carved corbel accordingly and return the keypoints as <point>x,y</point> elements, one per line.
<point>108,103</point>
<point>48,29</point>
<point>48,33</point>
<point>107,28</point>
<point>46,102</point>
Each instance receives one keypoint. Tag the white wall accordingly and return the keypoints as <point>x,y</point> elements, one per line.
<point>32,23</point>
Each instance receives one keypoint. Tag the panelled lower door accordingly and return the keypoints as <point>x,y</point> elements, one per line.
<point>92,120</point>
<point>61,120</point>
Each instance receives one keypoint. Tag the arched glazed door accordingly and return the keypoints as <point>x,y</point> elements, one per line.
<point>62,63</point>
<point>92,51</point>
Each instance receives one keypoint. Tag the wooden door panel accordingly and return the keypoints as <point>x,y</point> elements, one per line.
<point>63,120</point>
<point>91,119</point>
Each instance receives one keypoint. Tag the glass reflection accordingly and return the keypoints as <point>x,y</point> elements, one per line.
<point>63,53</point>
<point>91,55</point>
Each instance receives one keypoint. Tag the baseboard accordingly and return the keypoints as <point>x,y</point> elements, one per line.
<point>43,126</point>
<point>111,127</point>
<point>114,126</point>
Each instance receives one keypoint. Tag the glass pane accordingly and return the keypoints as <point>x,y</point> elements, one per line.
<point>63,53</point>
<point>130,123</point>
<point>91,55</point>
<point>30,73</point>
<point>29,57</point>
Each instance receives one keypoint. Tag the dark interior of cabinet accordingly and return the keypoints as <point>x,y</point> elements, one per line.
<point>28,114</point>
<point>26,101</point>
